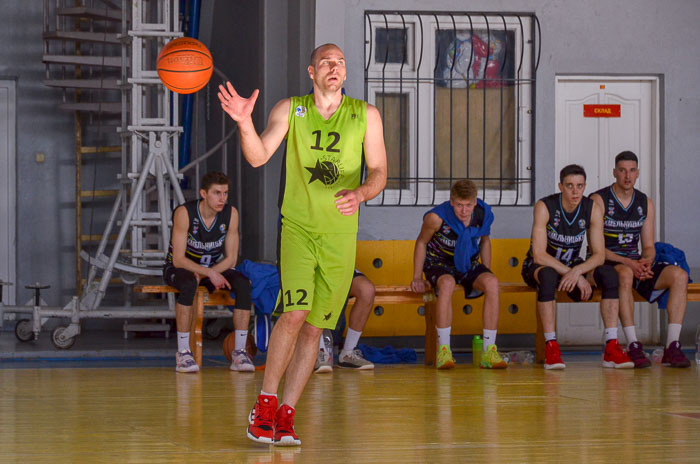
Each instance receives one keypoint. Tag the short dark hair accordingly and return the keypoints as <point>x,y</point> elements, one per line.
<point>312,59</point>
<point>571,170</point>
<point>626,156</point>
<point>213,178</point>
<point>464,190</point>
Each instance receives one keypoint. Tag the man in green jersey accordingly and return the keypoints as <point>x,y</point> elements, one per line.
<point>327,133</point>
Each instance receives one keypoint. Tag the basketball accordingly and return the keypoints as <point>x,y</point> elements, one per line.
<point>230,344</point>
<point>184,65</point>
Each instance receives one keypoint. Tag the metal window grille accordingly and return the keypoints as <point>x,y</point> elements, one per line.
<point>456,93</point>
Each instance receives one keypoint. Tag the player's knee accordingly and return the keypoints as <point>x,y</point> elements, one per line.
<point>187,287</point>
<point>490,283</point>
<point>367,292</point>
<point>446,283</point>
<point>625,277</point>
<point>606,279</point>
<point>679,276</point>
<point>548,279</point>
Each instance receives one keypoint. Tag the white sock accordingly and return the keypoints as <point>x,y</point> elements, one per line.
<point>610,334</point>
<point>674,333</point>
<point>351,339</point>
<point>183,341</point>
<point>489,338</point>
<point>268,394</point>
<point>241,337</point>
<point>550,336</point>
<point>630,334</point>
<point>444,335</point>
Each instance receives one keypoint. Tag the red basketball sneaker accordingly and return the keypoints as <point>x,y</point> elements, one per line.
<point>552,356</point>
<point>284,427</point>
<point>615,357</point>
<point>262,419</point>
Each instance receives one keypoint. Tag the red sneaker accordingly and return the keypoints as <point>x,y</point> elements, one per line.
<point>552,356</point>
<point>262,419</point>
<point>636,354</point>
<point>613,356</point>
<point>674,357</point>
<point>284,427</point>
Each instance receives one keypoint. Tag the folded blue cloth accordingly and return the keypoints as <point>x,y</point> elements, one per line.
<point>388,355</point>
<point>667,253</point>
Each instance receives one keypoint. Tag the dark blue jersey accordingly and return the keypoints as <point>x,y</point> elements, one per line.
<point>205,246</point>
<point>622,226</point>
<point>566,231</point>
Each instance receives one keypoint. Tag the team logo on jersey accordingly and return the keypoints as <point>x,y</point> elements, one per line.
<point>582,223</point>
<point>328,170</point>
<point>195,229</point>
<point>611,207</point>
<point>300,111</point>
<point>639,210</point>
<point>222,228</point>
<point>557,218</point>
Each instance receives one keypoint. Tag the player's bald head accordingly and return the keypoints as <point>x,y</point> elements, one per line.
<point>318,52</point>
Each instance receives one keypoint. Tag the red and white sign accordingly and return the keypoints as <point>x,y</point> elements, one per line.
<point>601,111</point>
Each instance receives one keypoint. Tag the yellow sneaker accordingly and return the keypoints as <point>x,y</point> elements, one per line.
<point>444,358</point>
<point>492,360</point>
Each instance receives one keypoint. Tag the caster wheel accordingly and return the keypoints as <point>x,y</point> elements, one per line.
<point>23,330</point>
<point>59,341</point>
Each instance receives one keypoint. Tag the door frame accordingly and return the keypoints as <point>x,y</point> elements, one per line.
<point>655,148</point>
<point>9,195</point>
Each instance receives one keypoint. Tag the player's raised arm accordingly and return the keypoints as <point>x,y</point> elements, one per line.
<point>257,149</point>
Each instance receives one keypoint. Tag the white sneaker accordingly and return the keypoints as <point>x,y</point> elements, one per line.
<point>324,362</point>
<point>354,360</point>
<point>184,362</point>
<point>241,361</point>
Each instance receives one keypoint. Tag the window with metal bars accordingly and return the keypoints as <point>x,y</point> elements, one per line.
<point>456,94</point>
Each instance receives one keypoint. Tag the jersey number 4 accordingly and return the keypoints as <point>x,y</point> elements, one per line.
<point>331,148</point>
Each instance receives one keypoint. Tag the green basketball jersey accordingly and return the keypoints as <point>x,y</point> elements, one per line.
<point>322,158</point>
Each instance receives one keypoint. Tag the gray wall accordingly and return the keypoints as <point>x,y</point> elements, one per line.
<point>46,191</point>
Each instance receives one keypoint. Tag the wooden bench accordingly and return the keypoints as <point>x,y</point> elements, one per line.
<point>202,298</point>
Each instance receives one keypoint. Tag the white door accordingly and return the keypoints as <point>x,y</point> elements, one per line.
<point>626,118</point>
<point>7,189</point>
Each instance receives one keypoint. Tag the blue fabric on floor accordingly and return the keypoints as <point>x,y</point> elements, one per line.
<point>388,355</point>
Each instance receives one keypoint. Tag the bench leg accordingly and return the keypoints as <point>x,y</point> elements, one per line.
<point>539,339</point>
<point>196,329</point>
<point>430,332</point>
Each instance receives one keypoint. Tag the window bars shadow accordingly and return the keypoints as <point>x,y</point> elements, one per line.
<point>456,93</point>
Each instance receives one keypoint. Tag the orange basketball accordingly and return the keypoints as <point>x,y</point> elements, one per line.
<point>184,65</point>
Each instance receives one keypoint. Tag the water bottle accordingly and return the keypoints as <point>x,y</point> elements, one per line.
<point>477,350</point>
<point>505,357</point>
<point>522,357</point>
<point>657,355</point>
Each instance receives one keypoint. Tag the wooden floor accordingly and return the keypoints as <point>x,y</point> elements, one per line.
<point>406,413</point>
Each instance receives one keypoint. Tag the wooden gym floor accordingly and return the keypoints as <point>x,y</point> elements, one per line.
<point>404,413</point>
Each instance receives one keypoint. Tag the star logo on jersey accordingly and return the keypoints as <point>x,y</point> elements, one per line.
<point>327,171</point>
<point>582,223</point>
<point>300,111</point>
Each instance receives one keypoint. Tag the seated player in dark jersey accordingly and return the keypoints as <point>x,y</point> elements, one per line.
<point>629,221</point>
<point>453,237</point>
<point>362,289</point>
<point>203,250</point>
<point>561,223</point>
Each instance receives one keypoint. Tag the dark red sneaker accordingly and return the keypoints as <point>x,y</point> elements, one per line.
<point>636,354</point>
<point>262,419</point>
<point>674,357</point>
<point>552,356</point>
<point>284,427</point>
<point>615,357</point>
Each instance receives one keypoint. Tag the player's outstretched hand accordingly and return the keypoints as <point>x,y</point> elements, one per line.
<point>348,202</point>
<point>234,105</point>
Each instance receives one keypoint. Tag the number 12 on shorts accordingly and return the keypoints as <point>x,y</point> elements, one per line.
<point>299,295</point>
